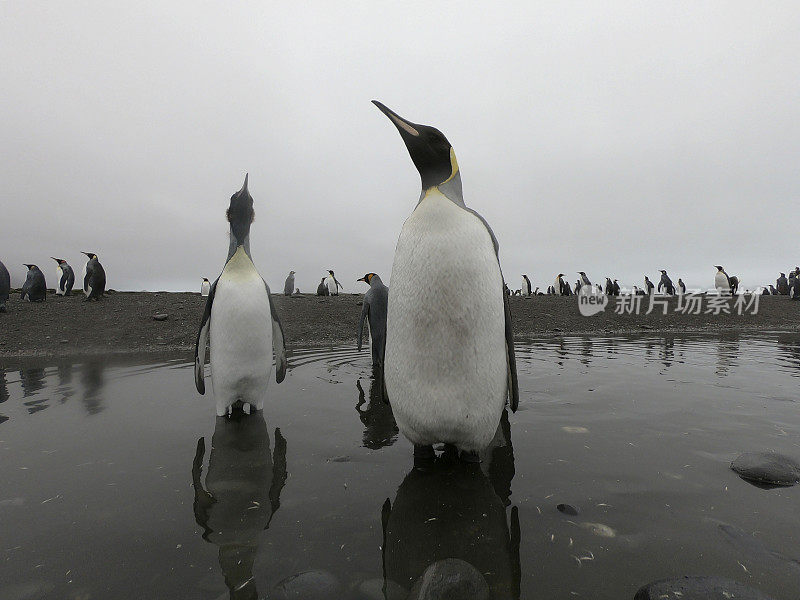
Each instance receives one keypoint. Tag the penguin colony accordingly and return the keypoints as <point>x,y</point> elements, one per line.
<point>445,384</point>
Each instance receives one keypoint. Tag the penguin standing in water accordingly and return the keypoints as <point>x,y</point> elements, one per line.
<point>288,286</point>
<point>648,285</point>
<point>34,287</point>
<point>681,286</point>
<point>526,286</point>
<point>65,277</point>
<point>5,286</point>
<point>241,320</point>
<point>374,309</point>
<point>332,284</point>
<point>721,281</point>
<point>94,278</point>
<point>450,363</point>
<point>322,289</point>
<point>666,285</point>
<point>205,287</point>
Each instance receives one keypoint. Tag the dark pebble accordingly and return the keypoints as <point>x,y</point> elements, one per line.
<point>450,579</point>
<point>698,588</point>
<point>339,459</point>
<point>160,317</point>
<point>767,468</point>
<point>568,509</point>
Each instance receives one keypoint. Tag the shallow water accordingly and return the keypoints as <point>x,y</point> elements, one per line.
<point>97,464</point>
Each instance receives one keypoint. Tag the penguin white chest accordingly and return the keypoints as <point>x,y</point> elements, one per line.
<point>721,282</point>
<point>59,287</point>
<point>332,287</point>
<point>446,363</point>
<point>240,334</point>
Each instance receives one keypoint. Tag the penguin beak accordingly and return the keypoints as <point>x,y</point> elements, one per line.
<point>244,186</point>
<point>362,279</point>
<point>405,127</point>
<point>89,254</point>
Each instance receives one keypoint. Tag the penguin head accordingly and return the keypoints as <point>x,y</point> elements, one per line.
<point>366,278</point>
<point>430,151</point>
<point>291,272</point>
<point>581,273</point>
<point>241,214</point>
<point>60,261</point>
<point>91,255</point>
<point>718,268</point>
<point>205,279</point>
<point>331,272</point>
<point>663,272</point>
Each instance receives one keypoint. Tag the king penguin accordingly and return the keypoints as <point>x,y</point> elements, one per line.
<point>241,320</point>
<point>94,278</point>
<point>681,286</point>
<point>322,289</point>
<point>665,284</point>
<point>288,286</point>
<point>648,285</point>
<point>5,286</point>
<point>721,281</point>
<point>205,287</point>
<point>558,286</point>
<point>526,286</point>
<point>65,277</point>
<point>450,363</point>
<point>34,287</point>
<point>333,284</point>
<point>374,309</point>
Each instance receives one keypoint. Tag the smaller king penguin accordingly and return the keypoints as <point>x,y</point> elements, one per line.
<point>288,286</point>
<point>241,322</point>
<point>94,278</point>
<point>322,289</point>
<point>34,288</point>
<point>65,277</point>
<point>5,286</point>
<point>205,287</point>
<point>375,309</point>
<point>721,281</point>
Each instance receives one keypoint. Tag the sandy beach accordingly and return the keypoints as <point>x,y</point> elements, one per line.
<point>123,323</point>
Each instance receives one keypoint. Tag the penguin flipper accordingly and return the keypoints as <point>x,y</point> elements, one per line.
<point>278,341</point>
<point>201,344</point>
<point>513,384</point>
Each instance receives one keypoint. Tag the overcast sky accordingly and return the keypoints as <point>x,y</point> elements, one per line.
<point>615,138</point>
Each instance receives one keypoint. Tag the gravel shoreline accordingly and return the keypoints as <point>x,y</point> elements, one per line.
<point>122,323</point>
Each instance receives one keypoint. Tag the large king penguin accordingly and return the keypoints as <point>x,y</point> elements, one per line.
<point>333,284</point>
<point>526,286</point>
<point>34,288</point>
<point>241,321</point>
<point>5,286</point>
<point>450,362</point>
<point>65,277</point>
<point>94,278</point>
<point>374,310</point>
<point>721,281</point>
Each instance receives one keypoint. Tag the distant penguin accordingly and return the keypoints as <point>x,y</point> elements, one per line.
<point>648,285</point>
<point>34,288</point>
<point>578,286</point>
<point>765,291</point>
<point>636,291</point>
<point>665,285</point>
<point>94,278</point>
<point>599,288</point>
<point>616,288</point>
<point>585,281</point>
<point>681,286</point>
<point>734,283</point>
<point>782,285</point>
<point>721,281</point>
<point>241,321</point>
<point>288,286</point>
<point>559,285</point>
<point>5,286</point>
<point>333,284</point>
<point>567,288</point>
<point>609,291</point>
<point>205,287</point>
<point>794,288</point>
<point>526,286</point>
<point>773,291</point>
<point>450,362</point>
<point>374,309</point>
<point>506,290</point>
<point>322,289</point>
<point>65,277</point>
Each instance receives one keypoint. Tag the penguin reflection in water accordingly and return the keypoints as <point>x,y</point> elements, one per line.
<point>241,321</point>
<point>240,496</point>
<point>447,509</point>
<point>449,364</point>
<point>380,428</point>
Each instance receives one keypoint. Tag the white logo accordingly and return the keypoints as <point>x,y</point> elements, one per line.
<point>591,301</point>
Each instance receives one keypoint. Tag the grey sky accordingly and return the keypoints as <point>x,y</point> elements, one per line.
<point>613,140</point>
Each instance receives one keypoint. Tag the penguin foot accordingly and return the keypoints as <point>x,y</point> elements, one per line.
<point>246,408</point>
<point>423,452</point>
<point>470,456</point>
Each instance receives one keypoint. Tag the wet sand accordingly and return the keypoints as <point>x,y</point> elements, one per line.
<point>122,323</point>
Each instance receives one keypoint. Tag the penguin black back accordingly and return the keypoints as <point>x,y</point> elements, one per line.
<point>94,280</point>
<point>34,288</point>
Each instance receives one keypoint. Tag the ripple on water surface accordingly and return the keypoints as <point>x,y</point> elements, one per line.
<point>119,482</point>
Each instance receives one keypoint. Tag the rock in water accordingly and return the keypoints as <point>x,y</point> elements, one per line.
<point>308,585</point>
<point>160,317</point>
<point>698,588</point>
<point>767,468</point>
<point>450,579</point>
<point>567,509</point>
